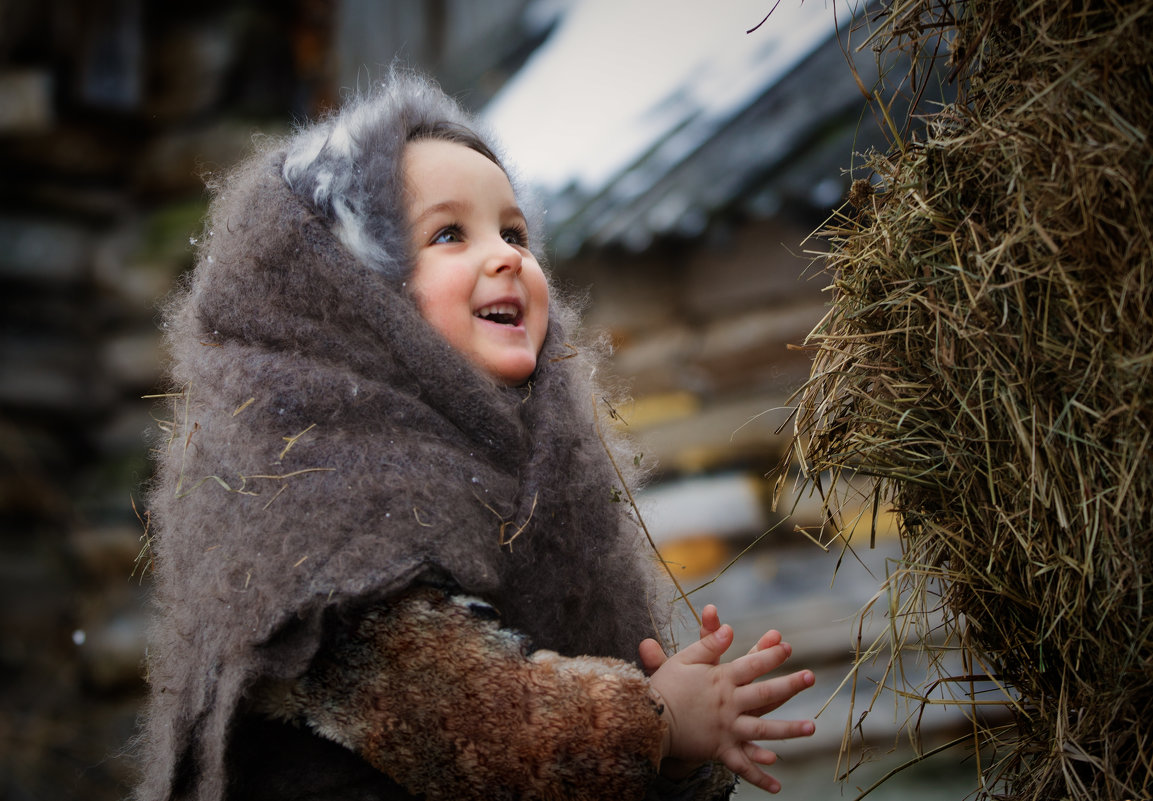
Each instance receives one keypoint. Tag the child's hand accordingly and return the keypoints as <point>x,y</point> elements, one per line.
<point>714,710</point>
<point>653,656</point>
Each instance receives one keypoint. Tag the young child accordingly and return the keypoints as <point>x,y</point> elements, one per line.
<point>388,560</point>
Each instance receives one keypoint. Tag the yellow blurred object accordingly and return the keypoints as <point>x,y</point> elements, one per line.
<point>860,527</point>
<point>652,410</point>
<point>690,557</point>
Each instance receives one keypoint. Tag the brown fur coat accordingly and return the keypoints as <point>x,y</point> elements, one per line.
<point>435,694</point>
<point>328,450</point>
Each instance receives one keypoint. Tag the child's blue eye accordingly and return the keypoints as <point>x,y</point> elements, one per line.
<point>446,236</point>
<point>515,236</point>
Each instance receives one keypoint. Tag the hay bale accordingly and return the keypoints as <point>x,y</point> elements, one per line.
<point>988,361</point>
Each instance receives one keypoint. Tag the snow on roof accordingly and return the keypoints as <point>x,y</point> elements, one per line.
<point>617,77</point>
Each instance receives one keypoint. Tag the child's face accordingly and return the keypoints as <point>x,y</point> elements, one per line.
<point>475,279</point>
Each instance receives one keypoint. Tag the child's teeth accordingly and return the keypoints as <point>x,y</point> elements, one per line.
<point>497,308</point>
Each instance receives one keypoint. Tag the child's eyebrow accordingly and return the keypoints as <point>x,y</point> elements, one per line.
<point>447,206</point>
<point>455,207</point>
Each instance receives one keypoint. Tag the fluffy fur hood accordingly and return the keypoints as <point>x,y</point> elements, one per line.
<point>328,448</point>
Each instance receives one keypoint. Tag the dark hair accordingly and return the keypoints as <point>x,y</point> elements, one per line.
<point>448,131</point>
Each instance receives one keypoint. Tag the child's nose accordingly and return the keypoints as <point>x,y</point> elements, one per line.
<point>504,258</point>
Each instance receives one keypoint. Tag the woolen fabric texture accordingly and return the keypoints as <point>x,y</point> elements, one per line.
<point>328,449</point>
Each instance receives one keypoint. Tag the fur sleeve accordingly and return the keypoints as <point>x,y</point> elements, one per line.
<point>433,692</point>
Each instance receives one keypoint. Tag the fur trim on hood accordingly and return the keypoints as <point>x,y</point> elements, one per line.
<point>329,449</point>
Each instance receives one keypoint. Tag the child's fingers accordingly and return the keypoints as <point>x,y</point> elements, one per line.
<point>652,655</point>
<point>750,667</point>
<point>749,728</point>
<point>710,620</point>
<point>759,755</point>
<point>767,640</point>
<point>707,650</point>
<point>739,763</point>
<point>762,697</point>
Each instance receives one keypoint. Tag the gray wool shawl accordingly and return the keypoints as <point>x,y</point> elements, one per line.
<point>328,449</point>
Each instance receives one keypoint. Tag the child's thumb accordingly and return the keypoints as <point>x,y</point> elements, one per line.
<point>652,656</point>
<point>710,649</point>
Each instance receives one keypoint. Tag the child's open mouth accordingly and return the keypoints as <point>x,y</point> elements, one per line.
<point>500,313</point>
